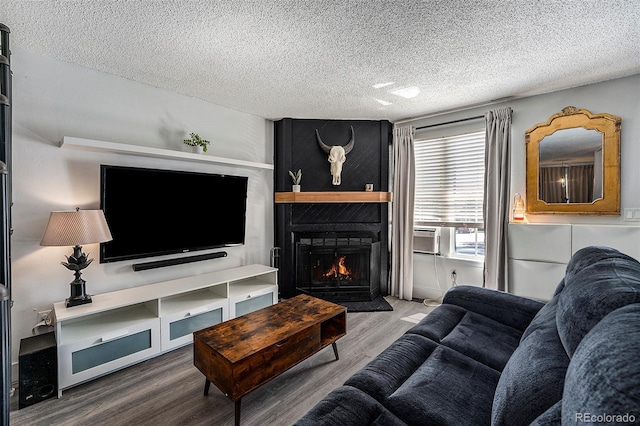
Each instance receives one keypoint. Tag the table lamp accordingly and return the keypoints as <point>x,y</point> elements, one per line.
<point>75,228</point>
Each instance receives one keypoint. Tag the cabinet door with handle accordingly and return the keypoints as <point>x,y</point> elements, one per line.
<point>177,329</point>
<point>100,354</point>
<point>252,301</point>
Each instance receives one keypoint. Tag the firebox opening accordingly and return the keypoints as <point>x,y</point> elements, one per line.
<point>343,266</point>
<point>336,268</point>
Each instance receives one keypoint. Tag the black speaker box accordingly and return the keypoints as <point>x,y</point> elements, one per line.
<point>177,261</point>
<point>38,369</point>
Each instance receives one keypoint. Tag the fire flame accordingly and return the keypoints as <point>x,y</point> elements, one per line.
<point>339,269</point>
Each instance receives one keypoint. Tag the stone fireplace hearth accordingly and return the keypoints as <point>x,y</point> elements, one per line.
<point>333,240</point>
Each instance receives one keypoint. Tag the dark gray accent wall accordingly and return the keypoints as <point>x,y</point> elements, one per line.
<point>296,148</point>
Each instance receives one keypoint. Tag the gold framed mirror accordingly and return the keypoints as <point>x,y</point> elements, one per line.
<point>573,164</point>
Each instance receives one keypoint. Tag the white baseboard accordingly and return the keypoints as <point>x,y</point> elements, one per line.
<point>427,293</point>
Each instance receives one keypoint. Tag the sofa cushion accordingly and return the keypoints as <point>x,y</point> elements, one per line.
<point>533,379</point>
<point>545,317</point>
<point>587,256</point>
<point>386,372</point>
<point>439,323</point>
<point>347,406</point>
<point>448,389</point>
<point>604,375</point>
<point>594,291</point>
<point>551,417</point>
<point>477,336</point>
<point>483,339</point>
<point>508,309</point>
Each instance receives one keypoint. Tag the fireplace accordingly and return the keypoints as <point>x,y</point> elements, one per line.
<point>338,267</point>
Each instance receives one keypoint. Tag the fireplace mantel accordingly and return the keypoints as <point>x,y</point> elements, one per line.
<point>333,197</point>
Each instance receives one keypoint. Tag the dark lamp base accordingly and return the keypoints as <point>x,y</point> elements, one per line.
<point>78,294</point>
<point>75,301</point>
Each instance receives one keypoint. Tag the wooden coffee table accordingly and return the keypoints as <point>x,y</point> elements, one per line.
<point>244,353</point>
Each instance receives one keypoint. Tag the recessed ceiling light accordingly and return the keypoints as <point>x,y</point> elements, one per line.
<point>406,92</point>
<point>385,103</point>
<point>381,85</point>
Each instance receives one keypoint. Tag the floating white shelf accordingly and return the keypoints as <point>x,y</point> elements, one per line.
<point>121,148</point>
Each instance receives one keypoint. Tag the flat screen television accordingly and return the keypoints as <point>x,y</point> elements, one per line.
<point>153,212</point>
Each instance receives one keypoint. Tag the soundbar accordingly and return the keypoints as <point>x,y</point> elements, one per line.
<point>177,261</point>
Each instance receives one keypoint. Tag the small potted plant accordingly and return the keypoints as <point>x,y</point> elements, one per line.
<point>296,177</point>
<point>199,145</point>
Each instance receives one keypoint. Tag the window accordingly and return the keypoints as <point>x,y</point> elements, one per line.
<point>469,241</point>
<point>449,188</point>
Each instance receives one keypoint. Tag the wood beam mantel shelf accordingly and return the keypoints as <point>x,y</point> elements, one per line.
<point>333,197</point>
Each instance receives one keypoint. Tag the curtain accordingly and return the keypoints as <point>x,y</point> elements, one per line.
<point>573,183</point>
<point>402,213</point>
<point>580,183</point>
<point>497,179</point>
<point>552,187</point>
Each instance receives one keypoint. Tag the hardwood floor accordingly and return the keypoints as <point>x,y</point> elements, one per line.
<point>168,390</point>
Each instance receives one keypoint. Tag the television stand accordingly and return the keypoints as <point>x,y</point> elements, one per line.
<point>124,327</point>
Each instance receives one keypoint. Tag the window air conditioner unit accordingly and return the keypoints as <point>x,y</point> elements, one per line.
<point>426,240</point>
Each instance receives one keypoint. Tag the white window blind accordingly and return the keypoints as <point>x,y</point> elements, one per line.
<point>450,180</point>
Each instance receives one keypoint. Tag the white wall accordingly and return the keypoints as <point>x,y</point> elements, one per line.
<point>52,99</point>
<point>432,274</point>
<point>618,97</point>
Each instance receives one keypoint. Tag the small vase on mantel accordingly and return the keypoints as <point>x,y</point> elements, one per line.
<point>295,178</point>
<point>198,149</point>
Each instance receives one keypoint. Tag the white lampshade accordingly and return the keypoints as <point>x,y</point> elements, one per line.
<point>76,228</point>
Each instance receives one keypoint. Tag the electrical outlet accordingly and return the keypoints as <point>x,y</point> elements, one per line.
<point>43,316</point>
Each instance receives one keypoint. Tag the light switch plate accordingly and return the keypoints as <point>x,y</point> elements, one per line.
<point>631,215</point>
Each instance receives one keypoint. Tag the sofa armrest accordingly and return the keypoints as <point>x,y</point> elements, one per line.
<point>509,309</point>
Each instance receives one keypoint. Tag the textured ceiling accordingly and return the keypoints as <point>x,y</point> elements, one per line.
<point>339,59</point>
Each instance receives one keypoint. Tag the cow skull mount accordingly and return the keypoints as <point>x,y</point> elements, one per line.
<point>337,155</point>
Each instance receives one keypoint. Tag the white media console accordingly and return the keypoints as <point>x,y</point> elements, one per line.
<point>128,326</point>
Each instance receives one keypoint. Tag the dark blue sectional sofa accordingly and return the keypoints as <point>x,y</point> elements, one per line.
<point>490,358</point>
